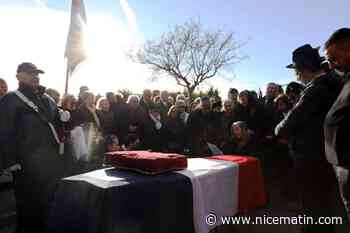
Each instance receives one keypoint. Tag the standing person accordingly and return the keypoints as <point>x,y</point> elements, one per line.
<point>54,94</point>
<point>86,117</point>
<point>180,106</point>
<point>119,108</point>
<point>215,133</point>
<point>28,137</point>
<point>153,127</point>
<point>108,129</point>
<point>82,90</point>
<point>197,129</point>
<point>135,124</point>
<point>233,96</point>
<point>3,88</point>
<point>106,117</point>
<point>227,119</point>
<point>171,101</point>
<point>173,133</point>
<point>251,112</point>
<point>69,103</point>
<point>3,92</point>
<point>164,95</point>
<point>272,91</point>
<point>155,93</point>
<point>304,127</point>
<point>146,99</point>
<point>164,105</point>
<point>336,126</point>
<point>293,91</point>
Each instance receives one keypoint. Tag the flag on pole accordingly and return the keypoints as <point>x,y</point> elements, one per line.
<point>75,51</point>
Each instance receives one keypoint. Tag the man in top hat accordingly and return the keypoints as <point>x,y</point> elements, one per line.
<point>30,143</point>
<point>337,126</point>
<point>303,126</point>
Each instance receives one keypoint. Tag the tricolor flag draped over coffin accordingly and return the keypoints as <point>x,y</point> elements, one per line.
<point>75,51</point>
<point>191,200</point>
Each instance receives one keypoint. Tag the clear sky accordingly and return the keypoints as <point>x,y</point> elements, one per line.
<point>36,30</point>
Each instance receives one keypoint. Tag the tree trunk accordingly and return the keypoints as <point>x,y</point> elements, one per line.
<point>190,91</point>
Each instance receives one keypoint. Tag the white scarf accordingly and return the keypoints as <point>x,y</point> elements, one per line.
<point>156,121</point>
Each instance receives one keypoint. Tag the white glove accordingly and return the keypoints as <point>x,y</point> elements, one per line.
<point>158,125</point>
<point>64,115</point>
<point>13,168</point>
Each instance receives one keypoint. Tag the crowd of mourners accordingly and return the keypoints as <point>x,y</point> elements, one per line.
<point>44,137</point>
<point>159,121</point>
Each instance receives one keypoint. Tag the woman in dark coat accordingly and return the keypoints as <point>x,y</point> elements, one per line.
<point>106,117</point>
<point>135,123</point>
<point>251,112</point>
<point>153,128</point>
<point>228,118</point>
<point>173,133</point>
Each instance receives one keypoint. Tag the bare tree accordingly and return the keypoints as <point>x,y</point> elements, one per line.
<point>189,54</point>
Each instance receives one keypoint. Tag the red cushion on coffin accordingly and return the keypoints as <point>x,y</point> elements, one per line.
<point>147,162</point>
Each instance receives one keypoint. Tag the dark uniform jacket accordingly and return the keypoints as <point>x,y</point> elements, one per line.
<point>337,129</point>
<point>26,139</point>
<point>304,123</point>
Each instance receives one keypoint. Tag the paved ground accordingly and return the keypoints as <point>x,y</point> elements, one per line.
<point>284,205</point>
<point>7,206</point>
<point>279,205</point>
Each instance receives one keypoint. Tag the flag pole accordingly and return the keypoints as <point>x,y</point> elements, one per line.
<point>75,52</point>
<point>67,79</point>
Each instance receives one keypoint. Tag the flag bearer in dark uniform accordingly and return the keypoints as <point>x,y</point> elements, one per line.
<point>31,142</point>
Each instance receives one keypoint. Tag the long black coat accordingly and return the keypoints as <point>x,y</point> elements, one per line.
<point>26,139</point>
<point>197,132</point>
<point>337,128</point>
<point>304,123</point>
<point>173,135</point>
<point>120,121</point>
<point>253,115</point>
